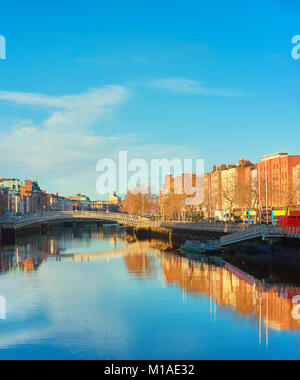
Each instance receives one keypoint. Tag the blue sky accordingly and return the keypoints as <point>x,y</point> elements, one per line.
<point>82,80</point>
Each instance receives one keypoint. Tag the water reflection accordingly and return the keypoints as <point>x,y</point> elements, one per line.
<point>229,286</point>
<point>224,285</point>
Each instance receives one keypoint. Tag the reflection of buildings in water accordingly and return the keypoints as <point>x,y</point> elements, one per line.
<point>27,255</point>
<point>136,256</point>
<point>20,261</point>
<point>113,240</point>
<point>136,249</point>
<point>224,286</point>
<point>231,287</point>
<point>140,265</point>
<point>139,262</point>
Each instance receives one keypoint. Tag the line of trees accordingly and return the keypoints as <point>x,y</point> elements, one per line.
<point>250,195</point>
<point>137,202</point>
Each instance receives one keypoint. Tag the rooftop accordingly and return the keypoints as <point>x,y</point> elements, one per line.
<point>274,155</point>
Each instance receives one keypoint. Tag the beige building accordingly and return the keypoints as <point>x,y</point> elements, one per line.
<point>229,183</point>
<point>296,183</point>
<point>114,199</point>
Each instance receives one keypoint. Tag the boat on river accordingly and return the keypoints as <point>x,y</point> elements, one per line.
<point>210,247</point>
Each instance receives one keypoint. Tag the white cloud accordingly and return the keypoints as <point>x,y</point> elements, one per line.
<point>63,150</point>
<point>188,86</point>
<point>79,110</point>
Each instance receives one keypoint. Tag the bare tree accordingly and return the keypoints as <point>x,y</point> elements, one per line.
<point>137,202</point>
<point>230,197</point>
<point>289,196</point>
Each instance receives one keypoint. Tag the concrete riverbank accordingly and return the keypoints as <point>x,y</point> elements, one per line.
<point>8,236</point>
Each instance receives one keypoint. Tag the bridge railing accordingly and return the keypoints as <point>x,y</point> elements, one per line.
<point>237,231</point>
<point>63,215</point>
<point>292,232</point>
<point>28,217</point>
<point>113,216</point>
<point>241,235</point>
<point>127,219</point>
<point>253,232</point>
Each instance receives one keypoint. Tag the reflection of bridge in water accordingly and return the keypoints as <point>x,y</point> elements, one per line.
<point>131,249</point>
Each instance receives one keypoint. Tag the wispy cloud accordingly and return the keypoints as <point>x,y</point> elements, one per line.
<point>65,147</point>
<point>64,143</point>
<point>73,110</point>
<point>188,86</point>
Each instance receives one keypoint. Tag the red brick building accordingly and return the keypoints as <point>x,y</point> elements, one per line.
<point>275,179</point>
<point>35,199</point>
<point>3,203</point>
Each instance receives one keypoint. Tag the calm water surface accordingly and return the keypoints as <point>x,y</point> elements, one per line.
<point>89,294</point>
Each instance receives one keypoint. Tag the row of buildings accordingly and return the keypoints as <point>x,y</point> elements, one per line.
<point>111,205</point>
<point>22,197</point>
<point>274,181</point>
<point>18,197</point>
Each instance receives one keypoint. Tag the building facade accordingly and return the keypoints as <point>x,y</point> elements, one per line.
<point>182,196</point>
<point>22,197</point>
<point>277,179</point>
<point>296,183</point>
<point>274,181</point>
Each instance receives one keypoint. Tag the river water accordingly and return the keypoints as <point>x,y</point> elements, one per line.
<point>88,293</point>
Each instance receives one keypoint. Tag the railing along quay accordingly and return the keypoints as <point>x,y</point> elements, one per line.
<point>210,227</point>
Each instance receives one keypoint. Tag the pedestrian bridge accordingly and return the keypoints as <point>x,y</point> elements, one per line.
<point>123,219</point>
<point>65,216</point>
<point>261,232</point>
<point>235,233</point>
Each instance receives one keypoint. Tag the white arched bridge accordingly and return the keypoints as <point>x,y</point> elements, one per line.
<point>66,216</point>
<point>235,232</point>
<point>119,218</point>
